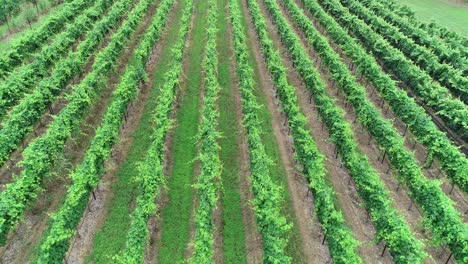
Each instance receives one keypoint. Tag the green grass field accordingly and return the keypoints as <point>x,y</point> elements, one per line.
<point>450,14</point>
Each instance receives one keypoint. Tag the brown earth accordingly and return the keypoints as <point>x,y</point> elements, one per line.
<point>356,216</point>
<point>420,151</point>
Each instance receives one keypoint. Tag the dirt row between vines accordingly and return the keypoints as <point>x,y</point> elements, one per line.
<point>356,216</point>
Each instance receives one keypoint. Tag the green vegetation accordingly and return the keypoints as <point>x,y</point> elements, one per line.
<point>177,213</point>
<point>267,200</point>
<point>125,188</point>
<point>234,247</point>
<point>209,177</point>
<point>390,226</point>
<point>444,12</point>
<point>439,214</point>
<point>25,78</point>
<point>23,47</point>
<point>411,28</point>
<point>443,73</point>
<point>452,110</point>
<point>85,177</point>
<point>28,12</point>
<point>41,154</point>
<point>418,122</point>
<point>151,170</point>
<point>190,81</point>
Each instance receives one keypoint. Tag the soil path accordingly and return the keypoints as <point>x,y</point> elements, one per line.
<point>420,151</point>
<point>253,239</point>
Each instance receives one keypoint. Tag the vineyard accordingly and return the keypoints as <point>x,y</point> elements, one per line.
<point>232,131</point>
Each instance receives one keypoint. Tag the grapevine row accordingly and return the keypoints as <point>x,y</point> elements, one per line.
<point>391,227</point>
<point>86,176</point>
<point>29,43</point>
<point>431,93</point>
<point>26,77</point>
<point>267,196</point>
<point>450,38</point>
<point>41,154</point>
<point>208,181</point>
<point>150,173</point>
<point>22,117</point>
<point>444,53</point>
<point>439,213</point>
<point>424,58</point>
<point>418,122</point>
<point>341,243</point>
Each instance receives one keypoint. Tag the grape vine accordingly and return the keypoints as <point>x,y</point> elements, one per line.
<point>439,214</point>
<point>150,170</point>
<point>86,176</point>
<point>41,154</point>
<point>26,77</point>
<point>23,47</point>
<point>390,226</point>
<point>453,111</point>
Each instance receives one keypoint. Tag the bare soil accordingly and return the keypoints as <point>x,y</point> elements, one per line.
<point>356,216</point>
<point>434,171</point>
<point>347,197</point>
<point>253,239</point>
